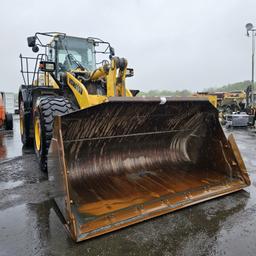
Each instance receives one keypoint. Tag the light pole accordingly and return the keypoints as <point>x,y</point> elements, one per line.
<point>250,28</point>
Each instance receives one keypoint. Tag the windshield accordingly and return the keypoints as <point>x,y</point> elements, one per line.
<point>75,52</point>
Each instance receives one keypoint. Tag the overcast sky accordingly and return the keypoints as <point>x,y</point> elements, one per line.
<point>171,44</point>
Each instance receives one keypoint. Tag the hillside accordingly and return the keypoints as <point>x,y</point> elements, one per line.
<point>230,87</point>
<point>225,88</point>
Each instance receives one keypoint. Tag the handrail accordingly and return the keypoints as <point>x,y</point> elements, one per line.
<point>27,71</point>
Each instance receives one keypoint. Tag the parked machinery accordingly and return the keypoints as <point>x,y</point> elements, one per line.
<point>211,97</point>
<point>6,119</point>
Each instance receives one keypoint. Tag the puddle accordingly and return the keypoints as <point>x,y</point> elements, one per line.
<point>24,229</point>
<point>10,184</point>
<point>13,196</point>
<point>10,143</point>
<point>13,225</point>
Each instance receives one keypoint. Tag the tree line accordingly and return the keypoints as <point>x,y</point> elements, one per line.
<point>225,88</point>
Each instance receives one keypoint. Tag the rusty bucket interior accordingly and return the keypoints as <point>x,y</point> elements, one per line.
<point>131,159</point>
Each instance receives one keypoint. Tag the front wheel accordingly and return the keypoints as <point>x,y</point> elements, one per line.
<point>44,113</point>
<point>39,142</point>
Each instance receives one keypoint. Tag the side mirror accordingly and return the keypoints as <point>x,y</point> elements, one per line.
<point>47,66</point>
<point>35,48</point>
<point>31,41</point>
<point>129,72</point>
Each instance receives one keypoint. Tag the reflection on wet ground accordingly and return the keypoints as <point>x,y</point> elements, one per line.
<point>10,184</point>
<point>30,225</point>
<point>2,146</point>
<point>10,143</point>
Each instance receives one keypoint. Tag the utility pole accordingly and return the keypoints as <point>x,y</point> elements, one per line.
<point>250,28</point>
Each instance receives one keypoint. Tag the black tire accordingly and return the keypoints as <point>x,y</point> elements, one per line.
<point>47,108</point>
<point>8,122</point>
<point>24,126</point>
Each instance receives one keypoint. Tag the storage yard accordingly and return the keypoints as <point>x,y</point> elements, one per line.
<point>128,128</point>
<point>30,222</point>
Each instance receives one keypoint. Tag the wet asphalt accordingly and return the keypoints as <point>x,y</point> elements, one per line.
<point>30,223</point>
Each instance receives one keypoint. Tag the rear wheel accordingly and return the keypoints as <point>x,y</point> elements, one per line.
<point>24,126</point>
<point>44,113</point>
<point>8,122</point>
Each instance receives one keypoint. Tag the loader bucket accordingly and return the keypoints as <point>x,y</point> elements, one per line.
<point>132,159</point>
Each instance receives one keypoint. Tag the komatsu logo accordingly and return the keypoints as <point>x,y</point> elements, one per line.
<point>76,86</point>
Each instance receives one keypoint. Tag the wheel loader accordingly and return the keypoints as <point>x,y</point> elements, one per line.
<point>117,159</point>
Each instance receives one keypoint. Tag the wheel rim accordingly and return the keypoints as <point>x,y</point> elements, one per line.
<point>21,126</point>
<point>37,133</point>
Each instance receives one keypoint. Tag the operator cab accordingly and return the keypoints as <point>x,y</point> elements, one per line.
<point>70,53</point>
<point>67,54</point>
<point>76,55</point>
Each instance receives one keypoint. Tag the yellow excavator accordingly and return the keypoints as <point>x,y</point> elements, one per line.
<point>116,159</point>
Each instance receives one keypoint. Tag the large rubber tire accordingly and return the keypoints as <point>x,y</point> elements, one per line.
<point>8,122</point>
<point>24,126</point>
<point>44,113</point>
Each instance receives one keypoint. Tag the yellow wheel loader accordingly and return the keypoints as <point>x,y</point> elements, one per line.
<point>116,159</point>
